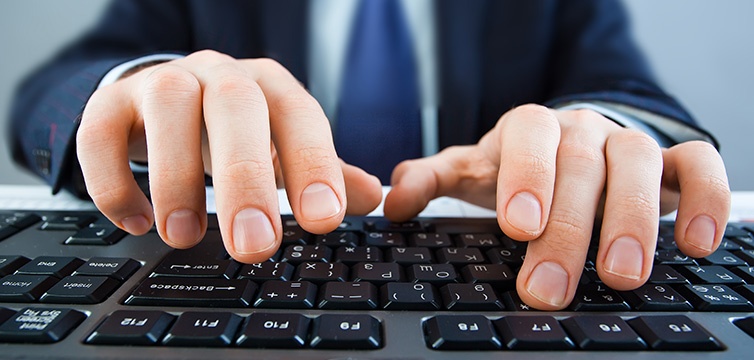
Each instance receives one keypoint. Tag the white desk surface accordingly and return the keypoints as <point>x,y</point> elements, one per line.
<point>20,197</point>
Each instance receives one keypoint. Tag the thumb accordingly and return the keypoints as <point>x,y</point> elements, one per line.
<point>458,171</point>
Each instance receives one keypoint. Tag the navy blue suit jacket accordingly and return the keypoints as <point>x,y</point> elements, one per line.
<point>492,55</point>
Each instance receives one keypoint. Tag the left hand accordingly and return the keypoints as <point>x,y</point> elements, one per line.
<point>550,173</point>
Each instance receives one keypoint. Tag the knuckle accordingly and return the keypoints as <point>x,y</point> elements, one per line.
<point>108,198</point>
<point>639,142</point>
<point>536,163</point>
<point>534,112</point>
<point>250,172</point>
<point>231,80</point>
<point>581,152</point>
<point>588,117</point>
<point>271,65</point>
<point>566,231</point>
<point>294,101</point>
<point>208,55</point>
<point>312,159</point>
<point>170,79</point>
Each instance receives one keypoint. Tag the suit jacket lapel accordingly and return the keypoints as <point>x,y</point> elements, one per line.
<point>459,28</point>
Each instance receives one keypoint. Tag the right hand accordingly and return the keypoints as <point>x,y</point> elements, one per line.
<point>234,119</point>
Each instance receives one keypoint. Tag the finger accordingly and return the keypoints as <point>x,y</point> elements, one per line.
<point>364,191</point>
<point>172,110</point>
<point>631,215</point>
<point>102,149</point>
<point>528,142</point>
<point>553,264</point>
<point>697,170</point>
<point>238,130</point>
<point>303,140</point>
<point>416,182</point>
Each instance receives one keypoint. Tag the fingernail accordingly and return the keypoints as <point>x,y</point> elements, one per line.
<point>524,212</point>
<point>183,227</point>
<point>318,201</point>
<point>701,232</point>
<point>252,232</point>
<point>548,283</point>
<point>625,258</point>
<point>137,224</point>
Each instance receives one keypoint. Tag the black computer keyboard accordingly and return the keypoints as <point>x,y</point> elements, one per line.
<point>74,286</point>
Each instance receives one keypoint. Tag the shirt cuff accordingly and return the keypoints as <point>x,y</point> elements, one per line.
<point>117,72</point>
<point>666,131</point>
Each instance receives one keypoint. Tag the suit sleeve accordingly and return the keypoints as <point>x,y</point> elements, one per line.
<point>595,60</point>
<point>48,104</point>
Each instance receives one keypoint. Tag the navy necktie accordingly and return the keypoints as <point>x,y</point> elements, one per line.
<point>378,122</point>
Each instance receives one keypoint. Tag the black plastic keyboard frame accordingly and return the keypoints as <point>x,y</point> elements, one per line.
<point>402,331</point>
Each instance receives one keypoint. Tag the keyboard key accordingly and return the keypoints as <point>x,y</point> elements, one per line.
<point>296,254</point>
<point>295,235</point>
<point>715,298</point>
<point>410,296</point>
<point>319,272</point>
<point>338,238</point>
<point>203,329</point>
<point>267,271</point>
<point>24,288</point>
<point>430,240</point>
<point>745,272</point>
<point>511,257</point>
<point>130,327</point>
<point>665,274</point>
<point>68,222</point>
<point>460,256</point>
<point>710,274</point>
<point>196,268</point>
<point>117,268</point>
<point>533,333</point>
<point>409,255</point>
<point>351,255</point>
<point>435,273</point>
<point>672,257</point>
<point>356,332</point>
<point>513,302</point>
<point>9,264</point>
<point>269,330</point>
<point>479,240</point>
<point>674,332</point>
<point>40,325</point>
<point>597,297</point>
<point>460,332</point>
<point>476,297</point>
<point>746,255</point>
<point>377,273</point>
<point>722,257</point>
<point>500,276</point>
<point>348,296</point>
<point>286,295</point>
<point>96,235</point>
<point>5,314</point>
<point>657,297</point>
<point>57,266</point>
<point>80,290</point>
<point>389,226</point>
<point>746,324</point>
<point>19,220</point>
<point>385,239</point>
<point>163,291</point>
<point>603,332</point>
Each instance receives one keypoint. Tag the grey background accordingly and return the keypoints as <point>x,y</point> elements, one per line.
<point>701,50</point>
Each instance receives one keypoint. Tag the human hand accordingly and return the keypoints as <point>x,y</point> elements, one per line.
<point>229,118</point>
<point>550,173</point>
